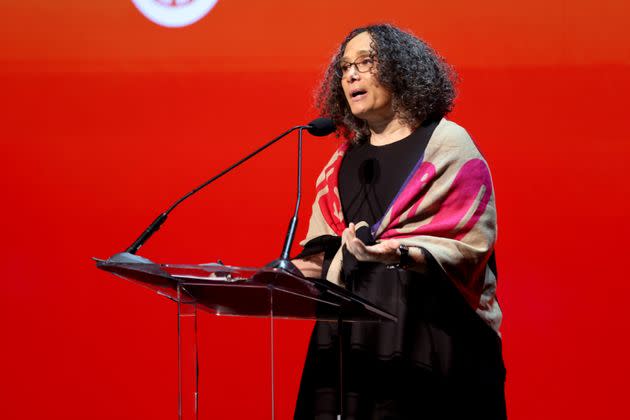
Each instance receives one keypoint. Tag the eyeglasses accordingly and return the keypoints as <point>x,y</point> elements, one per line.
<point>362,64</point>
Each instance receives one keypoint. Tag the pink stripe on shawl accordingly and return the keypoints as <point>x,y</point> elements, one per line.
<point>413,192</point>
<point>461,197</point>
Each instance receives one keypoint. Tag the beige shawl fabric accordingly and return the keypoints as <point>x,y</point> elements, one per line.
<point>446,206</point>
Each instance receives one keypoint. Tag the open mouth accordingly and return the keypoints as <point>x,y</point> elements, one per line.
<point>356,94</point>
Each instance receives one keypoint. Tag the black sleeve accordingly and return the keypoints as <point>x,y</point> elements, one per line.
<point>325,243</point>
<point>328,244</point>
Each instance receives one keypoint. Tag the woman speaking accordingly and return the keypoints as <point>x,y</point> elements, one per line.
<point>404,217</point>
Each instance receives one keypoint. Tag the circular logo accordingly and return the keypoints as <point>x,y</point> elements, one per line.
<point>174,13</point>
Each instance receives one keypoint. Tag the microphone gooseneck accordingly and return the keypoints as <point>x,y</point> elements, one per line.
<point>318,127</point>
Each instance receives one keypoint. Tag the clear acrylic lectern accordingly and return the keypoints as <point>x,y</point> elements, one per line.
<point>239,291</point>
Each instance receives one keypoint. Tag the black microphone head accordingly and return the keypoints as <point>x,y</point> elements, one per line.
<point>321,127</point>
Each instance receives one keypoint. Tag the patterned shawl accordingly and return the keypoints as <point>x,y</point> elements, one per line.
<point>446,206</point>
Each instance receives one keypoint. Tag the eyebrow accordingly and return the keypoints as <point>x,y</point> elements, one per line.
<point>359,54</point>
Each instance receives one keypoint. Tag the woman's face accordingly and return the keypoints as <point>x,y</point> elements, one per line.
<point>367,98</point>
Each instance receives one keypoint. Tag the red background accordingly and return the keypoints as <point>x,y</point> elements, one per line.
<point>107,118</point>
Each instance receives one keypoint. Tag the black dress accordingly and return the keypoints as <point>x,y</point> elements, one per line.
<point>439,361</point>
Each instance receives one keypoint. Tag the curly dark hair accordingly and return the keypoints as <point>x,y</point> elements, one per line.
<point>421,82</point>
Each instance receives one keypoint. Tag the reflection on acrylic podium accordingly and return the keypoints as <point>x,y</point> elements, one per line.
<point>237,291</point>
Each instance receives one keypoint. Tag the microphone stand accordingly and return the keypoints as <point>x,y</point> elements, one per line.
<point>284,262</point>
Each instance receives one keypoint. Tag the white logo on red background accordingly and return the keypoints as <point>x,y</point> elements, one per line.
<point>174,13</point>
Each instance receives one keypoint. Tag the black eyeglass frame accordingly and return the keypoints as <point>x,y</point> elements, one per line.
<point>340,68</point>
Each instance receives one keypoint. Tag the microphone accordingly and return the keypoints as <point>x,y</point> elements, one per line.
<point>321,127</point>
<point>318,127</point>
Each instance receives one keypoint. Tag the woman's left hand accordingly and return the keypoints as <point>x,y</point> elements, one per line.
<point>385,252</point>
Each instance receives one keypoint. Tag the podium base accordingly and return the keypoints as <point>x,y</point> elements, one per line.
<point>127,257</point>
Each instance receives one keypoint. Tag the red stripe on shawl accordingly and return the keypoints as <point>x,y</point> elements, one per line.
<point>330,203</point>
<point>461,196</point>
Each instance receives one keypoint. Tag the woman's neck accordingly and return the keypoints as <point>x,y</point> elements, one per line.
<point>388,131</point>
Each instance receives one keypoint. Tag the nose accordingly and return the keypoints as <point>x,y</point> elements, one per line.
<point>353,73</point>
